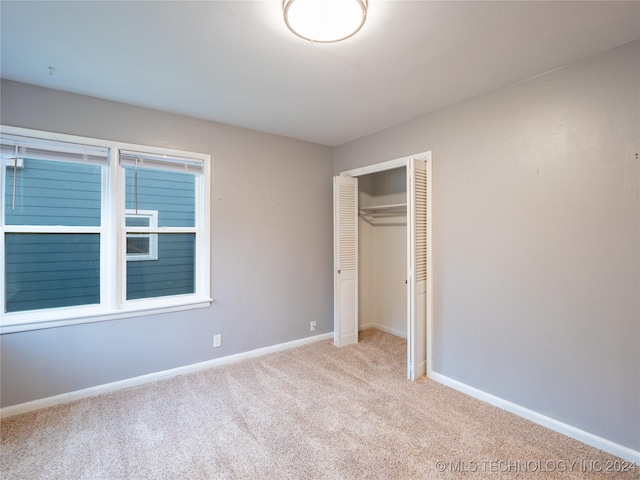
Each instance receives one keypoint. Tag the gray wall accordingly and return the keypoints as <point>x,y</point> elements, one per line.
<point>536,241</point>
<point>271,257</point>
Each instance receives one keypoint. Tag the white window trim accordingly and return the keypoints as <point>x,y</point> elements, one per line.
<point>152,215</point>
<point>113,305</point>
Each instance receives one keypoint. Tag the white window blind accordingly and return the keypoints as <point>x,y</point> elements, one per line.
<point>160,162</point>
<point>40,149</point>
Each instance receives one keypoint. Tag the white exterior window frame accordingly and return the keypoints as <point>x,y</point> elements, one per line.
<point>152,253</point>
<point>113,245</point>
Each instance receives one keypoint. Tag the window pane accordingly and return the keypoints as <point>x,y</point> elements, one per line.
<point>171,274</point>
<point>138,244</point>
<point>137,221</point>
<point>53,193</point>
<point>48,270</point>
<point>172,194</point>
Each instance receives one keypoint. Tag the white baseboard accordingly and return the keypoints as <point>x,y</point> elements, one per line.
<point>603,444</point>
<point>154,377</point>
<point>392,331</point>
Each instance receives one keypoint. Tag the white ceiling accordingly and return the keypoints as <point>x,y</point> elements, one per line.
<point>235,62</point>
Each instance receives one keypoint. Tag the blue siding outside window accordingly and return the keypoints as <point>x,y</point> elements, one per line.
<point>48,270</point>
<point>51,270</point>
<point>172,195</point>
<point>53,193</point>
<point>173,272</point>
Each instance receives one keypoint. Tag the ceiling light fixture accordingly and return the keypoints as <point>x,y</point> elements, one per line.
<point>325,21</point>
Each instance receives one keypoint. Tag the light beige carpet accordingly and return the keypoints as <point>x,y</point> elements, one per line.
<point>314,412</point>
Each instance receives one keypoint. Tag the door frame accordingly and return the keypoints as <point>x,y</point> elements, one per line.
<point>397,163</point>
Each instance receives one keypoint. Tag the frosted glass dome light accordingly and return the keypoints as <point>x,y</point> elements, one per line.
<point>325,21</point>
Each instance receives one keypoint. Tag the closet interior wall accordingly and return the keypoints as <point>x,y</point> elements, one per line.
<point>382,250</point>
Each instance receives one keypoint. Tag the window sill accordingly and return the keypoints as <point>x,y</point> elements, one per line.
<point>16,327</point>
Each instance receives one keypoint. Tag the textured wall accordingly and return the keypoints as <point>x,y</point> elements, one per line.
<point>536,224</point>
<point>271,256</point>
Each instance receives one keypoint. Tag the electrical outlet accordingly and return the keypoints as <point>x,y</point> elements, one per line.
<point>217,340</point>
<point>312,326</point>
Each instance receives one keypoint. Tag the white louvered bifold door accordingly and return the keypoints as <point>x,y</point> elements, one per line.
<point>416,268</point>
<point>345,251</point>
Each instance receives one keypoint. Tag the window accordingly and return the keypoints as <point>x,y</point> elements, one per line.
<point>71,206</point>
<point>52,224</point>
<point>168,186</point>
<point>141,246</point>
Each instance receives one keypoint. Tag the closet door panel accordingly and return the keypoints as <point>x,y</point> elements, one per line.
<point>345,238</point>
<point>416,268</point>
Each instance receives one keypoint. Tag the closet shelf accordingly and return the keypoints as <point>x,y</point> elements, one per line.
<point>384,210</point>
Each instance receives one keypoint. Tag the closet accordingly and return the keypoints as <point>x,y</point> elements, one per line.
<point>382,251</point>
<point>381,254</point>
